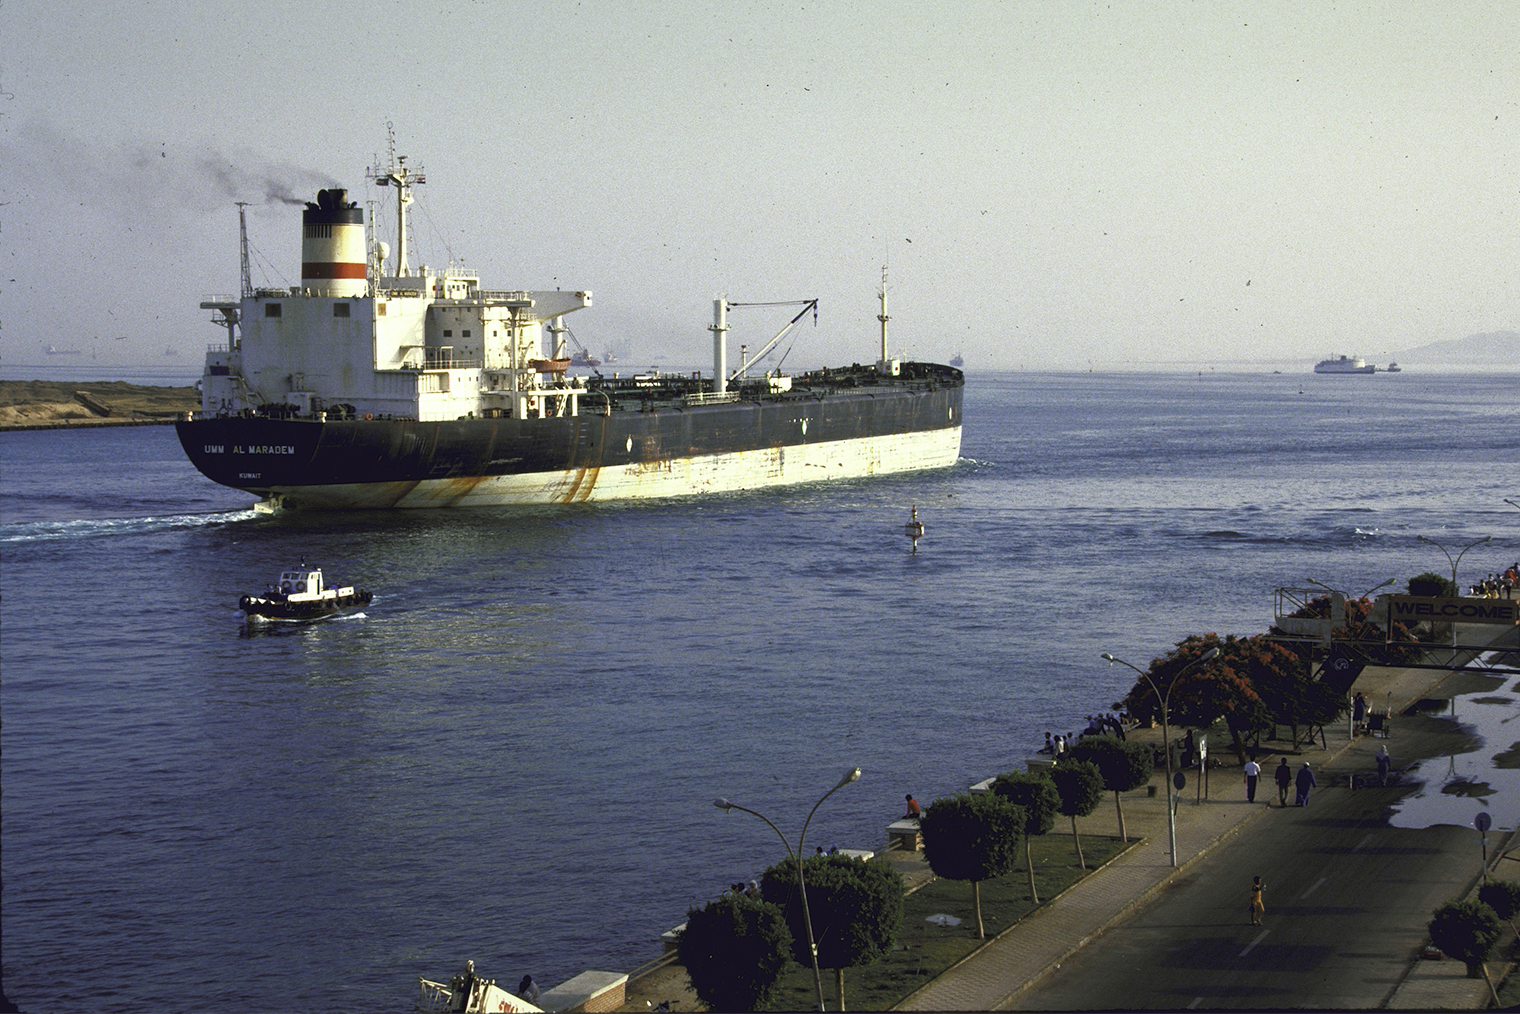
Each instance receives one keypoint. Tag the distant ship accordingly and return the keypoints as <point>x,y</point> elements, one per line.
<point>1394,368</point>
<point>956,361</point>
<point>365,387</point>
<point>54,350</point>
<point>1344,364</point>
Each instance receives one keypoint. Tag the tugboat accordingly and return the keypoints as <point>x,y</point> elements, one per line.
<point>301,595</point>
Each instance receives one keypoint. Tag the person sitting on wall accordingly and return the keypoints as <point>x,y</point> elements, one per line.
<point>913,811</point>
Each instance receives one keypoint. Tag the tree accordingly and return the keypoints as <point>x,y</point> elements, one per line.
<point>735,950</point>
<point>1283,680</point>
<point>1466,930</point>
<point>1035,793</point>
<point>1203,693</point>
<point>1432,585</point>
<point>856,909</point>
<point>1080,786</point>
<point>1125,766</point>
<point>971,837</point>
<point>1503,896</point>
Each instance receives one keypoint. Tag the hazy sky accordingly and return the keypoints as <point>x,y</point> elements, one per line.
<point>1051,184</point>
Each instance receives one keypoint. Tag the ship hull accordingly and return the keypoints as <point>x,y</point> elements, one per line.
<point>620,455</point>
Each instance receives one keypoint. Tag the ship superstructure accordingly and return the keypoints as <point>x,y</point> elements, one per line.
<point>368,387</point>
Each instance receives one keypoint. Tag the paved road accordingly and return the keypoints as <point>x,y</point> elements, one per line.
<point>1347,900</point>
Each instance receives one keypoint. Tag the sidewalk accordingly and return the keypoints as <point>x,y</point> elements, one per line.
<point>998,974</point>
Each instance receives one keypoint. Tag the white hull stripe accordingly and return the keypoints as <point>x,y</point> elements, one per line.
<point>719,473</point>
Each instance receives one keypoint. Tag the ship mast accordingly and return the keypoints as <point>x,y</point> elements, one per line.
<point>397,175</point>
<point>883,315</point>
<point>243,249</point>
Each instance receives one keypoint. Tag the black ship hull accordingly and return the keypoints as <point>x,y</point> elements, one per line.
<point>620,446</point>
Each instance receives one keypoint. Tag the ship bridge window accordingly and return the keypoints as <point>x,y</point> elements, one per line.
<point>467,332</point>
<point>340,309</point>
<point>448,333</point>
<point>272,309</point>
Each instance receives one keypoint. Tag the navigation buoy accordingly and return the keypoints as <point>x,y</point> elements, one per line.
<point>914,529</point>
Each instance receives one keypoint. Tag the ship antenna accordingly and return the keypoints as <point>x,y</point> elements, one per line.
<point>396,174</point>
<point>883,315</point>
<point>243,248</point>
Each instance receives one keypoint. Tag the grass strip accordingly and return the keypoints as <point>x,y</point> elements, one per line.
<point>925,950</point>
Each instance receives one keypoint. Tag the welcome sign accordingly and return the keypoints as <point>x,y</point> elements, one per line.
<point>1410,609</point>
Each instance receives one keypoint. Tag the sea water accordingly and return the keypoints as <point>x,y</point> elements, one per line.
<point>512,755</point>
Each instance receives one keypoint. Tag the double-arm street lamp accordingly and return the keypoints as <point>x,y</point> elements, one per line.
<point>1166,743</point>
<point>1363,595</point>
<point>807,920</point>
<point>1457,589</point>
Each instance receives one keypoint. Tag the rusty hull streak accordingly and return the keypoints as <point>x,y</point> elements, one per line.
<point>452,490</point>
<point>582,485</point>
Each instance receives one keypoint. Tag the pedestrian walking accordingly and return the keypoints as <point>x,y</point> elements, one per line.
<point>1257,908</point>
<point>1284,775</point>
<point>1384,762</point>
<point>1253,772</point>
<point>1304,781</point>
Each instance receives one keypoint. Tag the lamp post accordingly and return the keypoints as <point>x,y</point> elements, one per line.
<point>807,919</point>
<point>1456,589</point>
<point>1166,743</point>
<point>1457,561</point>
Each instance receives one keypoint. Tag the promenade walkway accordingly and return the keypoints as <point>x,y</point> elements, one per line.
<point>1011,970</point>
<point>999,975</point>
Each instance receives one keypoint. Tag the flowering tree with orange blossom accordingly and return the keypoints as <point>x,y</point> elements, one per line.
<point>1218,688</point>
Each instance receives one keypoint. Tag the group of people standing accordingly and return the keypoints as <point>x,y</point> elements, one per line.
<point>1500,586</point>
<point>1097,725</point>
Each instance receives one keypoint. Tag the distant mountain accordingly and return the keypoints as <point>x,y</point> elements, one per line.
<point>1501,348</point>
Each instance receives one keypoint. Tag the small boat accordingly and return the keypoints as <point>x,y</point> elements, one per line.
<point>1394,368</point>
<point>301,595</point>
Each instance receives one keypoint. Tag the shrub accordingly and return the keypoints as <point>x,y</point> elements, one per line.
<point>1467,931</point>
<point>735,950</point>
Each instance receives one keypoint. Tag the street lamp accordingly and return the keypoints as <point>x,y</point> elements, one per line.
<point>807,919</point>
<point>1166,743</point>
<point>1456,589</point>
<point>1458,560</point>
<point>1363,595</point>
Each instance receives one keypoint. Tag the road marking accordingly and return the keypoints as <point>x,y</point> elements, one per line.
<point>1196,1001</point>
<point>1361,843</point>
<point>1259,937</point>
<point>1311,890</point>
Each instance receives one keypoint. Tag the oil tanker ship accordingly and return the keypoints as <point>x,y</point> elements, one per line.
<point>372,388</point>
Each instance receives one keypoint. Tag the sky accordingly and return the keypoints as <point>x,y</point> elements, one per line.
<point>1049,185</point>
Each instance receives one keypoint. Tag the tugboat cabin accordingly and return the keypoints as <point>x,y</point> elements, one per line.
<point>301,582</point>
